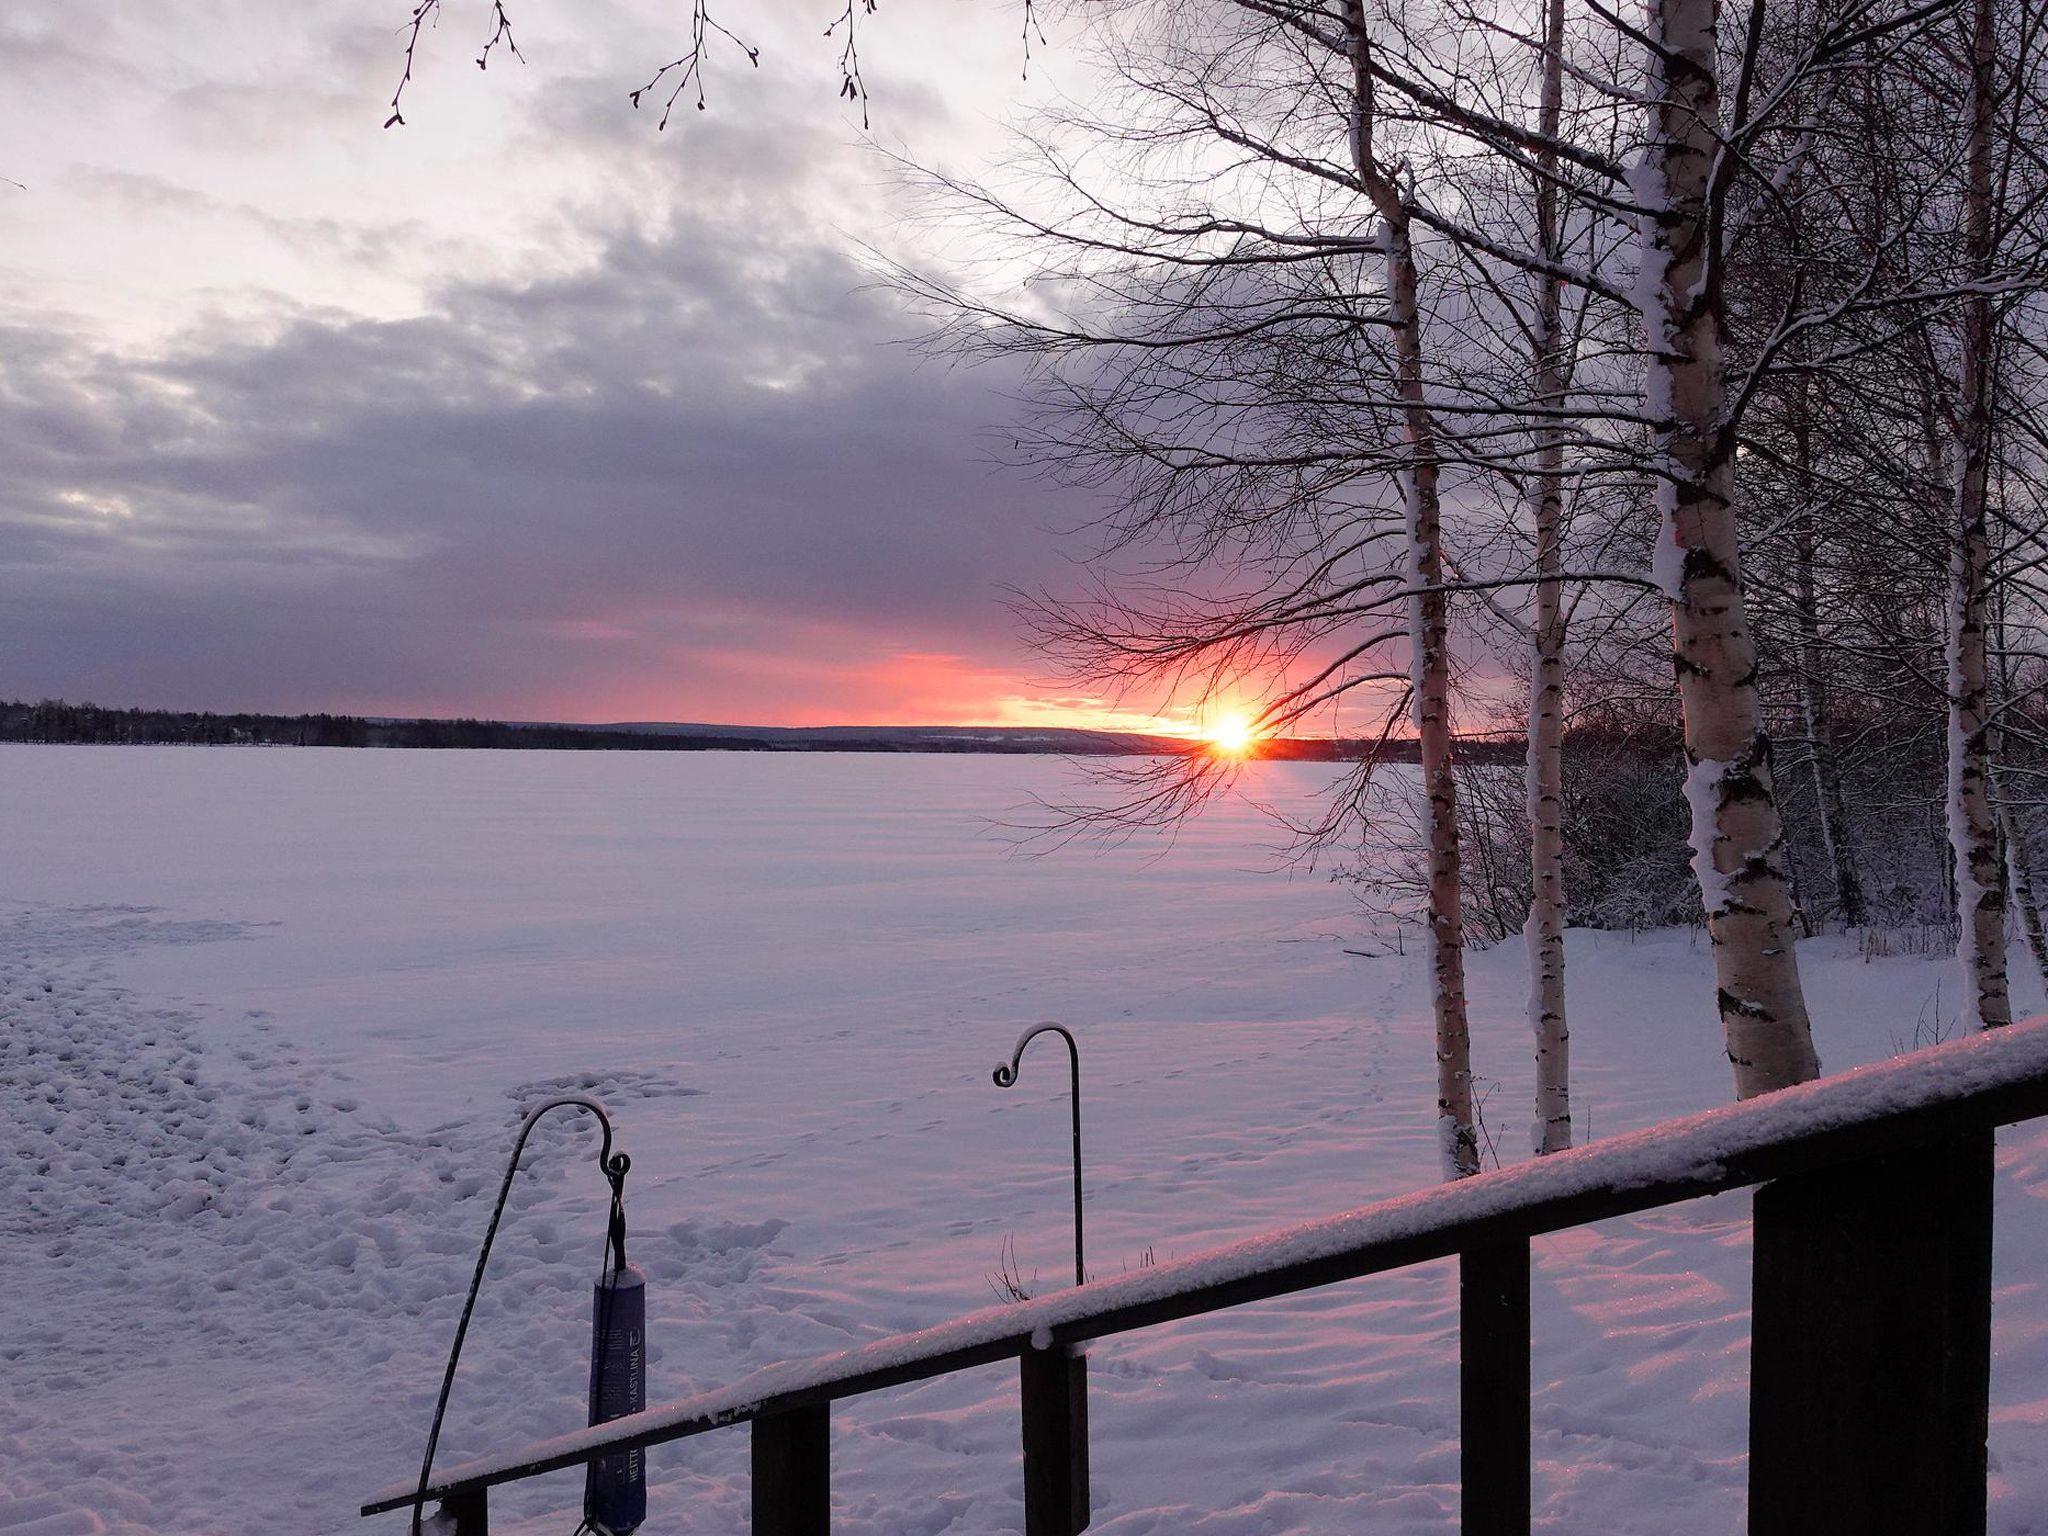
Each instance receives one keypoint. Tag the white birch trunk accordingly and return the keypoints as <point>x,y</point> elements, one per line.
<point>1428,639</point>
<point>1429,648</point>
<point>1543,932</point>
<point>1972,819</point>
<point>1737,836</point>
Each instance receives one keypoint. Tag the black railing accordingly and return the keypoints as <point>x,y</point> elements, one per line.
<point>1870,1354</point>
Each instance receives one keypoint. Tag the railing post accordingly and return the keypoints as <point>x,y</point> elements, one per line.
<point>1055,1442</point>
<point>1870,1356</point>
<point>793,1472</point>
<point>464,1514</point>
<point>1493,1389</point>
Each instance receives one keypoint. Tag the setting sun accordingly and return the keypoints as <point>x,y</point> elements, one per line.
<point>1231,735</point>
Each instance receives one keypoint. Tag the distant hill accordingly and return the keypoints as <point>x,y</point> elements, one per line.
<point>54,720</point>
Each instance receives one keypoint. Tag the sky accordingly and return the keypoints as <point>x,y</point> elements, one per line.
<point>522,409</point>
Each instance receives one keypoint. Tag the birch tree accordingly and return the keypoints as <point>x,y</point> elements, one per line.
<point>1972,818</point>
<point>1737,835</point>
<point>1543,932</point>
<point>1428,628</point>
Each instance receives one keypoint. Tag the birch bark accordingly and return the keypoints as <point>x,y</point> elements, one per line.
<point>1737,835</point>
<point>1972,819</point>
<point>1428,630</point>
<point>1544,930</point>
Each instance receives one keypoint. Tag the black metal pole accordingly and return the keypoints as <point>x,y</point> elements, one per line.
<point>614,1171</point>
<point>1006,1076</point>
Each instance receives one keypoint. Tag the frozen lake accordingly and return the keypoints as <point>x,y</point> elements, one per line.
<point>270,1016</point>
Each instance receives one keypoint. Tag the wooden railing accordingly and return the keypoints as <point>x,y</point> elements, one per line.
<point>1870,1353</point>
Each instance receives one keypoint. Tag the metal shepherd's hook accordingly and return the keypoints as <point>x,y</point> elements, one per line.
<point>614,1166</point>
<point>1006,1077</point>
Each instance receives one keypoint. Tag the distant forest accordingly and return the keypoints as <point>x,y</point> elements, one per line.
<point>55,720</point>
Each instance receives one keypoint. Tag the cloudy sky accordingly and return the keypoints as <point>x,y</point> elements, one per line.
<point>523,409</point>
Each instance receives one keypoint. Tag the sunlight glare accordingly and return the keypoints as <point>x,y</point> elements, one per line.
<point>1231,735</point>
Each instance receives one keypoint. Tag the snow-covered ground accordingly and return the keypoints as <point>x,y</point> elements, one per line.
<point>267,1019</point>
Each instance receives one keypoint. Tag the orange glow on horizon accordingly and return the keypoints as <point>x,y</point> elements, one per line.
<point>834,675</point>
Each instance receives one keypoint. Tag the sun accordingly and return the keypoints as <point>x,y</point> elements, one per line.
<point>1231,735</point>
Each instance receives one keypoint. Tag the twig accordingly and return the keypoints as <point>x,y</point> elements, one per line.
<point>424,11</point>
<point>689,69</point>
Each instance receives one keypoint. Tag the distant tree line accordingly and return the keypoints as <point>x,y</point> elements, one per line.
<point>57,720</point>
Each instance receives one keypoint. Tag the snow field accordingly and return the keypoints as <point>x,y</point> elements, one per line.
<point>269,1018</point>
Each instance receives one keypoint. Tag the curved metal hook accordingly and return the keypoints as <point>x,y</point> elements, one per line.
<point>1006,1077</point>
<point>1006,1071</point>
<point>613,1165</point>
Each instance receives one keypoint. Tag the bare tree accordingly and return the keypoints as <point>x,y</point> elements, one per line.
<point>1973,820</point>
<point>1428,609</point>
<point>1544,929</point>
<point>1737,835</point>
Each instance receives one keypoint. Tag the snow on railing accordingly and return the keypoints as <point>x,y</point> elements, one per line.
<point>1883,1183</point>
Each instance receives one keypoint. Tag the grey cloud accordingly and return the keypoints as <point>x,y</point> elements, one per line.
<point>702,443</point>
<point>352,240</point>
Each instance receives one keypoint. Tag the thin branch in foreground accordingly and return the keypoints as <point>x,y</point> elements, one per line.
<point>688,69</point>
<point>424,11</point>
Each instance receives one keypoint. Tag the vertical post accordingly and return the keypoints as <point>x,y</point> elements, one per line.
<point>1493,1389</point>
<point>1055,1442</point>
<point>465,1514</point>
<point>793,1472</point>
<point>1006,1077</point>
<point>1870,1356</point>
